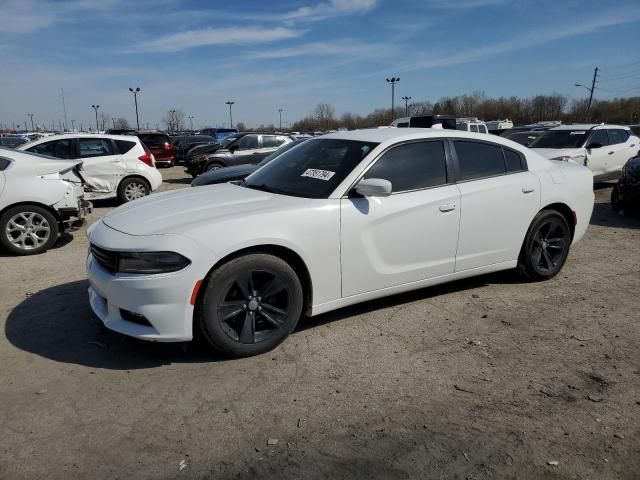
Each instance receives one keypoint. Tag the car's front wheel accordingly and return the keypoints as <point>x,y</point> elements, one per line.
<point>133,188</point>
<point>28,230</point>
<point>545,247</point>
<point>250,305</point>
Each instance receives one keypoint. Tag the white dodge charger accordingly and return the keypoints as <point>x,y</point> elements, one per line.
<point>337,220</point>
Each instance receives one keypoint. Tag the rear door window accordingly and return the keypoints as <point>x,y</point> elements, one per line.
<point>478,160</point>
<point>515,161</point>
<point>247,142</point>
<point>412,166</point>
<point>95,147</point>
<point>56,148</point>
<point>271,141</point>
<point>474,128</point>
<point>618,135</point>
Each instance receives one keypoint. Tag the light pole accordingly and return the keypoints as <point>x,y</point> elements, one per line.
<point>135,99</point>
<point>593,87</point>
<point>406,105</point>
<point>190,117</point>
<point>230,114</point>
<point>73,127</point>
<point>172,121</point>
<point>113,121</point>
<point>280,112</point>
<point>30,115</point>
<point>95,108</point>
<point>393,81</point>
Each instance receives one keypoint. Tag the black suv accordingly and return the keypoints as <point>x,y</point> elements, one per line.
<point>186,143</point>
<point>241,148</point>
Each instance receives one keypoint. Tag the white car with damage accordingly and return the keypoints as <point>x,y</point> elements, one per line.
<point>114,166</point>
<point>40,198</point>
<point>336,220</point>
<point>602,148</point>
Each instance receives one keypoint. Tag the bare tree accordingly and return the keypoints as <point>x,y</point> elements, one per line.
<point>174,120</point>
<point>104,119</point>
<point>241,126</point>
<point>325,114</point>
<point>122,123</point>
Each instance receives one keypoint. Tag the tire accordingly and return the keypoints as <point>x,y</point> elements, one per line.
<point>28,230</point>
<point>546,246</point>
<point>235,316</point>
<point>616,202</point>
<point>132,188</point>
<point>213,166</point>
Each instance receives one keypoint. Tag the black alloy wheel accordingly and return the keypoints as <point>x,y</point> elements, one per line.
<point>250,305</point>
<point>546,246</point>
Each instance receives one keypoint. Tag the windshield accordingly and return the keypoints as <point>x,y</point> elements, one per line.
<point>560,139</point>
<point>285,148</point>
<point>312,170</point>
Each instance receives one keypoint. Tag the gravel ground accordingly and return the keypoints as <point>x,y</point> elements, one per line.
<point>483,378</point>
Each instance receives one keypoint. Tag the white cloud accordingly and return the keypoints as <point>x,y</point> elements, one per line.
<point>464,4</point>
<point>331,8</point>
<point>218,36</point>
<point>316,49</point>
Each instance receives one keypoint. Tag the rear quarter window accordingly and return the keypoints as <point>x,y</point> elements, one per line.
<point>124,146</point>
<point>4,163</point>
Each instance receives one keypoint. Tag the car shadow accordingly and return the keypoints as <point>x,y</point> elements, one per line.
<point>178,181</point>
<point>604,216</point>
<point>57,323</point>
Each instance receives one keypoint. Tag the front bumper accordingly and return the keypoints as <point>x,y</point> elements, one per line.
<point>120,299</point>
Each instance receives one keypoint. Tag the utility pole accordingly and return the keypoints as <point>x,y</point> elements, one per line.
<point>64,107</point>
<point>26,129</point>
<point>30,115</point>
<point>230,114</point>
<point>406,105</point>
<point>73,127</point>
<point>191,122</point>
<point>393,81</point>
<point>113,121</point>
<point>280,112</point>
<point>95,108</point>
<point>591,90</point>
<point>135,99</point>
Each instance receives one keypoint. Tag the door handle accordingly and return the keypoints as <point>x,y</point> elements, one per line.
<point>528,189</point>
<point>611,153</point>
<point>447,207</point>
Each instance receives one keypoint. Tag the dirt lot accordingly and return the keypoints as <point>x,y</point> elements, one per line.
<point>485,378</point>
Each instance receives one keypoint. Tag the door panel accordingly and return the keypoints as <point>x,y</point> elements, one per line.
<point>406,237</point>
<point>495,215</point>
<point>102,165</point>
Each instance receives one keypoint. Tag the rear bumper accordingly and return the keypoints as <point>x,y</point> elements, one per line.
<point>73,218</point>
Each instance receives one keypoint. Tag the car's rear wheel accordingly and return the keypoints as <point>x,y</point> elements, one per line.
<point>250,305</point>
<point>28,230</point>
<point>616,201</point>
<point>545,247</point>
<point>133,188</point>
<point>213,166</point>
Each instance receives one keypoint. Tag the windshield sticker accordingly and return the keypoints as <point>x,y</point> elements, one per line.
<point>577,133</point>
<point>319,174</point>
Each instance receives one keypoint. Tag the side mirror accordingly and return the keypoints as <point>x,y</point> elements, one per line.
<point>374,187</point>
<point>594,145</point>
<point>233,148</point>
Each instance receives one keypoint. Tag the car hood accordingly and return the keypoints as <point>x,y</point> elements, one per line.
<point>559,152</point>
<point>176,212</point>
<point>224,175</point>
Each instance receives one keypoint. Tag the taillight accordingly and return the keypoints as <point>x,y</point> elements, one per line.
<point>147,158</point>
<point>168,146</point>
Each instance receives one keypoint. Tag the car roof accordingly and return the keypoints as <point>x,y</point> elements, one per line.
<point>65,136</point>
<point>589,126</point>
<point>381,135</point>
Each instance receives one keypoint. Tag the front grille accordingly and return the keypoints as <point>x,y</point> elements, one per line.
<point>105,258</point>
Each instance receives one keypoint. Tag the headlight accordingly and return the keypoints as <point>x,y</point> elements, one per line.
<point>151,262</point>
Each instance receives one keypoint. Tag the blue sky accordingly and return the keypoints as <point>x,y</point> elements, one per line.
<point>195,55</point>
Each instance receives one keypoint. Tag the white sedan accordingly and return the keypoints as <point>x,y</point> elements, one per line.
<point>337,220</point>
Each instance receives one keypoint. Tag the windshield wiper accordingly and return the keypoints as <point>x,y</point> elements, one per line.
<point>262,187</point>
